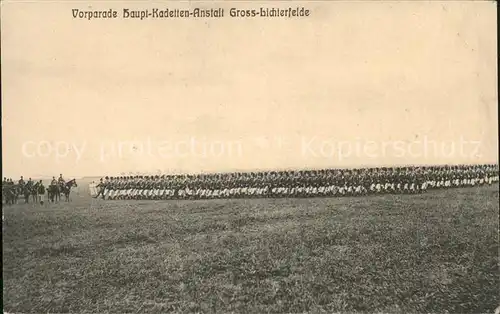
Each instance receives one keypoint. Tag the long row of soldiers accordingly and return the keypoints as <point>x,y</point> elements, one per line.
<point>331,182</point>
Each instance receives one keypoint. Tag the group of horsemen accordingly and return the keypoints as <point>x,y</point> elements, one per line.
<point>313,183</point>
<point>11,191</point>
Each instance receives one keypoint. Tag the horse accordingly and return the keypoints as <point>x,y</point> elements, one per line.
<point>13,193</point>
<point>54,192</point>
<point>34,192</point>
<point>19,191</point>
<point>66,190</point>
<point>26,190</point>
<point>9,194</point>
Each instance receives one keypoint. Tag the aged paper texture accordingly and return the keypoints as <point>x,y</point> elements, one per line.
<point>253,156</point>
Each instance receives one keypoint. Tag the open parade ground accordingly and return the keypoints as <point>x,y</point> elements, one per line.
<point>433,252</point>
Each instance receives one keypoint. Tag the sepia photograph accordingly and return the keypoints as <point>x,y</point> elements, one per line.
<point>250,157</point>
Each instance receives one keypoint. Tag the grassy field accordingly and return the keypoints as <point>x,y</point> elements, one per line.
<point>436,252</point>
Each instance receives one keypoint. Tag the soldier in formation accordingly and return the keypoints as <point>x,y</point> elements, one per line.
<point>303,183</point>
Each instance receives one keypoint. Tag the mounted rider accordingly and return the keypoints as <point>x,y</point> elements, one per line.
<point>21,182</point>
<point>60,180</point>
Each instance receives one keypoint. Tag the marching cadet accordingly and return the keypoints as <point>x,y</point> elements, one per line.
<point>160,187</point>
<point>153,187</point>
<point>148,187</point>
<point>122,188</point>
<point>21,182</point>
<point>139,188</point>
<point>146,194</point>
<point>156,185</point>
<point>117,188</point>
<point>100,187</point>
<point>110,188</point>
<point>136,185</point>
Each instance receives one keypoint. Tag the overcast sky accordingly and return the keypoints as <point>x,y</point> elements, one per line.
<point>355,83</point>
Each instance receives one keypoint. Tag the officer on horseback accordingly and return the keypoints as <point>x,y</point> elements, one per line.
<point>61,180</point>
